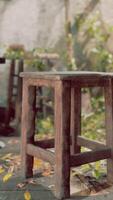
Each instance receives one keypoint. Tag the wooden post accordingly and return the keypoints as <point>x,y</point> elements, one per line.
<point>75,118</point>
<point>109,125</point>
<point>10,93</point>
<point>62,139</point>
<point>18,106</point>
<point>28,127</point>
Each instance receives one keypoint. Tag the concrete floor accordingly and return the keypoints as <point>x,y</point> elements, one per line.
<point>43,189</point>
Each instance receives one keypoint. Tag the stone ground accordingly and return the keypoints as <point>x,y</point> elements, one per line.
<point>41,187</point>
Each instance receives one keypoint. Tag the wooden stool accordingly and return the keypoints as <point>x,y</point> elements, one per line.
<point>67,87</point>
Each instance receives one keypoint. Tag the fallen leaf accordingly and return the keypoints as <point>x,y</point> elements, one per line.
<point>7,156</point>
<point>46,173</point>
<point>2,170</point>
<point>31,181</point>
<point>38,163</point>
<point>27,195</point>
<point>11,169</point>
<point>13,141</point>
<point>7,177</point>
<point>21,185</point>
<point>51,186</point>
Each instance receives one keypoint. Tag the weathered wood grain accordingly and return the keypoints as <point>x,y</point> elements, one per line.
<point>40,153</point>
<point>40,82</point>
<point>62,139</point>
<point>28,127</point>
<point>75,118</point>
<point>108,91</point>
<point>10,92</point>
<point>46,144</point>
<point>88,157</point>
<point>90,144</point>
<point>84,76</point>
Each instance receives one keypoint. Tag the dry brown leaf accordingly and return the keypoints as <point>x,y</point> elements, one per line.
<point>46,173</point>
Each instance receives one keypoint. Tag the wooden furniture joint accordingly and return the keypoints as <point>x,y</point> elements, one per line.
<point>67,120</point>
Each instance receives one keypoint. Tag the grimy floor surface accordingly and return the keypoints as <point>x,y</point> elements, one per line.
<point>42,189</point>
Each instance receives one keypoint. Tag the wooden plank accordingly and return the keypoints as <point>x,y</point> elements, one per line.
<point>40,82</point>
<point>91,156</point>
<point>75,118</point>
<point>90,144</point>
<point>10,92</point>
<point>40,153</point>
<point>65,74</point>
<point>62,139</point>
<point>18,106</point>
<point>109,125</point>
<point>89,81</point>
<point>28,127</point>
<point>49,143</point>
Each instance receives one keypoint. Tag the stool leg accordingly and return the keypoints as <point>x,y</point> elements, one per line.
<point>109,126</point>
<point>62,139</point>
<point>28,127</point>
<point>75,118</point>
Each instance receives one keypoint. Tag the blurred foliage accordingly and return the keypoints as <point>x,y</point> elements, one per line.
<point>96,35</point>
<point>35,61</point>
<point>36,64</point>
<point>45,126</point>
<point>93,127</point>
<point>15,51</point>
<point>32,58</point>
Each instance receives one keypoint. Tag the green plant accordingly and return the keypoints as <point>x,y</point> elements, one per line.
<point>15,51</point>
<point>103,59</point>
<point>95,35</point>
<point>36,63</point>
<point>93,127</point>
<point>45,126</point>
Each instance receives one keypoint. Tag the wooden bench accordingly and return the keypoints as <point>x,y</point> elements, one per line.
<point>67,120</point>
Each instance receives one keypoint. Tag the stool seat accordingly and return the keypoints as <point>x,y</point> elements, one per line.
<point>64,75</point>
<point>67,87</point>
